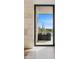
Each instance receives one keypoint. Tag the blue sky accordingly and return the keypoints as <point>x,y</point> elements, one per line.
<point>46,20</point>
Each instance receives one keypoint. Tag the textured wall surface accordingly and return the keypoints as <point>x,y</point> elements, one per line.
<point>28,24</point>
<point>44,1</point>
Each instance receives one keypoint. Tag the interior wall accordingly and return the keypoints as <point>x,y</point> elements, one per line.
<point>44,1</point>
<point>28,24</point>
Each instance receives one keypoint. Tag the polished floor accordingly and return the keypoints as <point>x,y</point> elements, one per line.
<point>40,53</point>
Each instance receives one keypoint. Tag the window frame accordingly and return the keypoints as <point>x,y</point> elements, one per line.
<point>53,6</point>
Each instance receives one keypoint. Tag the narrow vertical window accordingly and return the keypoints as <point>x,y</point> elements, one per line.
<point>44,25</point>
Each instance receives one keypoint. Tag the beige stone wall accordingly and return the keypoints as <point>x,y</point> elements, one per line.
<point>28,24</point>
<point>44,1</point>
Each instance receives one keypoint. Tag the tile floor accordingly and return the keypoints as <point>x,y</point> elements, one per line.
<point>40,53</point>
